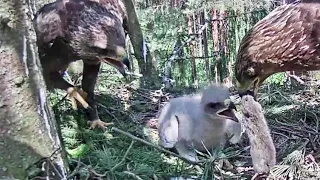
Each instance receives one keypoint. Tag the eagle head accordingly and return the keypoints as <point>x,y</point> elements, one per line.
<point>249,78</point>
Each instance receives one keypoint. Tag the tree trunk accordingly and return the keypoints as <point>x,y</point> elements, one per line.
<point>200,40</point>
<point>136,37</point>
<point>28,135</point>
<point>205,46</point>
<point>215,44</point>
<point>222,44</point>
<point>191,46</point>
<point>181,63</point>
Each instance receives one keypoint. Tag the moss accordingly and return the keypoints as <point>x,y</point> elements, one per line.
<point>14,163</point>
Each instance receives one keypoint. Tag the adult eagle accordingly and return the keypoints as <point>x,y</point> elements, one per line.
<point>89,30</point>
<point>287,39</point>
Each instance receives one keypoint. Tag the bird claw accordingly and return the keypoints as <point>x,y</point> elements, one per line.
<point>79,95</point>
<point>99,123</point>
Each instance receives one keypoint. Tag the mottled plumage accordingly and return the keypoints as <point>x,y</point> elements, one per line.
<point>287,39</point>
<point>89,30</point>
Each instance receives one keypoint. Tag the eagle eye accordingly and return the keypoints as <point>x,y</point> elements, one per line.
<point>215,105</point>
<point>251,72</point>
<point>212,105</point>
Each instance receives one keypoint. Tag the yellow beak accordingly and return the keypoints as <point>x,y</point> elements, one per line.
<point>255,84</point>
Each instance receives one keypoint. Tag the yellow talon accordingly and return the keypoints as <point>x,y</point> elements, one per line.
<point>77,95</point>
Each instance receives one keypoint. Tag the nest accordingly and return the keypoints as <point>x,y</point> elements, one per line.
<point>292,118</point>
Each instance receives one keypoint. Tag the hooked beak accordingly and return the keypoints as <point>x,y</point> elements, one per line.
<point>117,58</point>
<point>120,65</point>
<point>126,62</point>
<point>256,84</point>
<point>244,89</point>
<point>229,111</point>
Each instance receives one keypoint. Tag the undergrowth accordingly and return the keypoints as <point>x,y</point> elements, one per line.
<point>292,115</point>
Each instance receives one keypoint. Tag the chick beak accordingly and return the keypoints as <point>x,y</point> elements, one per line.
<point>228,112</point>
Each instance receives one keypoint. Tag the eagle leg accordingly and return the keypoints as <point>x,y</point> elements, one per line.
<point>89,79</point>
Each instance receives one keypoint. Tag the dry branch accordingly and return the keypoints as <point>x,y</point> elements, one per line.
<point>150,144</point>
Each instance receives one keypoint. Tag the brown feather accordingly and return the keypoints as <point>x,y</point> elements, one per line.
<point>90,30</point>
<point>287,39</point>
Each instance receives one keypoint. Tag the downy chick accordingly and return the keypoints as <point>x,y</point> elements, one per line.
<point>187,122</point>
<point>263,152</point>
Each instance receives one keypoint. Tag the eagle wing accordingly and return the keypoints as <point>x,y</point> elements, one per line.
<point>168,127</point>
<point>49,24</point>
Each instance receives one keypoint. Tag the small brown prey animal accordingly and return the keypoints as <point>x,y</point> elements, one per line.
<point>287,39</point>
<point>197,121</point>
<point>263,152</point>
<point>89,30</point>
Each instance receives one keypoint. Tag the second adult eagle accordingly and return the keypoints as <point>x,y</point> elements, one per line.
<point>88,30</point>
<point>287,39</point>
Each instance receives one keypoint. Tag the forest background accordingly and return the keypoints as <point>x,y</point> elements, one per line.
<point>178,47</point>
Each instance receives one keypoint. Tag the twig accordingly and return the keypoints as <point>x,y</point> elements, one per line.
<point>152,145</point>
<point>123,112</point>
<point>91,170</point>
<point>45,158</point>
<point>132,174</point>
<point>47,161</point>
<point>75,171</point>
<point>278,133</point>
<point>139,93</point>
<point>124,157</point>
<point>89,167</point>
<point>316,120</point>
<point>295,127</point>
<point>299,80</point>
<point>55,169</point>
<point>60,101</point>
<point>106,109</point>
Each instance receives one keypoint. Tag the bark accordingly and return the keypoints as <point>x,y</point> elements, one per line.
<point>136,37</point>
<point>215,44</point>
<point>192,53</point>
<point>200,40</point>
<point>129,48</point>
<point>181,63</point>
<point>28,134</point>
<point>228,79</point>
<point>223,45</point>
<point>205,46</point>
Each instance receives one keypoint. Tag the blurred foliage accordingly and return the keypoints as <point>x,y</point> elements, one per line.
<point>277,79</point>
<point>164,24</point>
